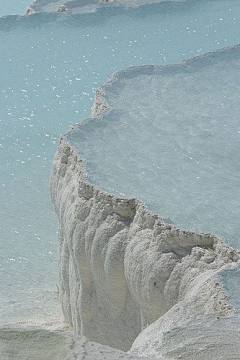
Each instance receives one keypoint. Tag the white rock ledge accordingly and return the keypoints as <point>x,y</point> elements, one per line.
<point>127,278</point>
<point>121,268</point>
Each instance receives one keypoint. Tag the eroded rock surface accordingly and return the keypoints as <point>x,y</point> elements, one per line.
<point>127,279</point>
<point>121,268</point>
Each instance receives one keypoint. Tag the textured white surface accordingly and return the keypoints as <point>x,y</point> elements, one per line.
<point>206,338</point>
<point>121,269</point>
<point>125,275</point>
<point>51,345</point>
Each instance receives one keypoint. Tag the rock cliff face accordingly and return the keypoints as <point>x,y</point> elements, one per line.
<point>121,268</point>
<point>125,276</point>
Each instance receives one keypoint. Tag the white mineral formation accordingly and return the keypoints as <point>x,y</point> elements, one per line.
<point>121,268</point>
<point>38,344</point>
<point>130,281</point>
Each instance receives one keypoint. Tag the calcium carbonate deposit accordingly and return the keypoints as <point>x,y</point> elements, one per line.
<point>146,190</point>
<point>121,267</point>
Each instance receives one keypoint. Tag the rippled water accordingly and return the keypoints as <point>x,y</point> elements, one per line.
<point>50,68</point>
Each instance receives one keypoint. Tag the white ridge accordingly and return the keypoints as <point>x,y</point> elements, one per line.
<point>125,276</point>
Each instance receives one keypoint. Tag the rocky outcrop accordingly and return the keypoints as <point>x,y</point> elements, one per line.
<point>127,279</point>
<point>121,268</point>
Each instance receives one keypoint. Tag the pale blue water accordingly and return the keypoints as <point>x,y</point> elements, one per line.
<point>13,7</point>
<point>50,67</point>
<point>231,281</point>
<point>172,139</point>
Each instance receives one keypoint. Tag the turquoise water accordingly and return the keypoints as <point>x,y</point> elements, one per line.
<point>51,66</point>
<point>231,282</point>
<point>13,7</point>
